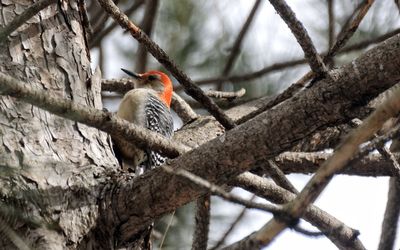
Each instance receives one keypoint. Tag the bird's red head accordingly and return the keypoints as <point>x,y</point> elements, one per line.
<point>165,95</point>
<point>152,79</point>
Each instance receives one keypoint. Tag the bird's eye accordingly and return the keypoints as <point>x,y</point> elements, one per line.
<point>153,77</point>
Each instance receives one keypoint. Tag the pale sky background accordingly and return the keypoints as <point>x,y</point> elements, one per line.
<point>359,202</point>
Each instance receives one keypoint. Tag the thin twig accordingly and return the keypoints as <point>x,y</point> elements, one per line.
<point>238,42</point>
<point>226,95</point>
<point>97,38</point>
<point>331,28</point>
<point>320,180</point>
<point>202,217</point>
<point>105,121</point>
<point>167,229</point>
<point>366,43</point>
<point>25,16</point>
<point>233,225</point>
<point>147,25</point>
<point>331,22</point>
<point>347,32</point>
<point>190,87</point>
<point>214,189</point>
<point>302,37</point>
<point>183,109</point>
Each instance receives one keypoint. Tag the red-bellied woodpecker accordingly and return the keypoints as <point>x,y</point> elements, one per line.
<point>148,105</point>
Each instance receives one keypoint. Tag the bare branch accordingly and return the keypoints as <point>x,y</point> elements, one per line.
<point>202,217</point>
<point>279,177</point>
<point>308,163</point>
<point>241,215</point>
<point>391,217</point>
<point>190,87</point>
<point>147,25</point>
<point>183,109</point>
<point>99,37</point>
<point>347,32</point>
<point>238,42</point>
<point>302,37</point>
<point>25,16</point>
<point>104,121</point>
<point>331,22</point>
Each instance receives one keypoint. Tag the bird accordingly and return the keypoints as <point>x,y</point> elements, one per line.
<point>148,106</point>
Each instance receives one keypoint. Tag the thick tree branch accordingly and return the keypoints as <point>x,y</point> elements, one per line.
<point>276,130</point>
<point>190,87</point>
<point>25,16</point>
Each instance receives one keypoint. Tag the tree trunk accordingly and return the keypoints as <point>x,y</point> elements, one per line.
<point>59,157</point>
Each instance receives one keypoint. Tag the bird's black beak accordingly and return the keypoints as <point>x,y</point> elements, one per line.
<point>130,73</point>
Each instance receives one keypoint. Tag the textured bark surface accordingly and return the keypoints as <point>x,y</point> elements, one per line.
<point>52,154</point>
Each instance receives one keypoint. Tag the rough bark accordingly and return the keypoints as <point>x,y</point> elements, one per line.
<point>52,155</point>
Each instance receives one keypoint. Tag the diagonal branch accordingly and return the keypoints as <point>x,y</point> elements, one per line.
<point>302,37</point>
<point>149,18</point>
<point>190,87</point>
<point>25,16</point>
<point>98,37</point>
<point>233,225</point>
